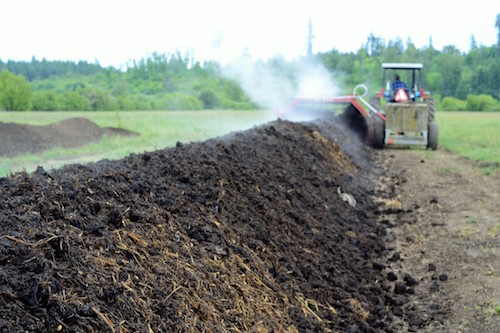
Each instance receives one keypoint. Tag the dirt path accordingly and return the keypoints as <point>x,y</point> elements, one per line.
<point>443,214</point>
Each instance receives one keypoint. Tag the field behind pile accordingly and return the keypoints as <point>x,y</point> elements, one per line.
<point>471,134</point>
<point>157,129</point>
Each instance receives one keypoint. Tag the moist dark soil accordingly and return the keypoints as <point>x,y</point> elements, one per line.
<point>18,139</point>
<point>288,227</point>
<point>251,232</point>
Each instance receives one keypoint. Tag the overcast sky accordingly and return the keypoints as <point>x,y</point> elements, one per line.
<point>116,32</point>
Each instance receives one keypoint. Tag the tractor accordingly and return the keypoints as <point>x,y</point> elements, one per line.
<point>407,119</point>
<point>409,116</point>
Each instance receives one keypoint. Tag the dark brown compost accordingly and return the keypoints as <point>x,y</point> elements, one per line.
<point>256,231</point>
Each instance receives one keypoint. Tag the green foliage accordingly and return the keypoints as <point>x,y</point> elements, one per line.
<point>480,103</point>
<point>434,81</point>
<point>234,92</point>
<point>131,103</point>
<point>448,72</point>
<point>40,70</point>
<point>161,81</point>
<point>46,101</point>
<point>99,100</point>
<point>176,81</point>
<point>225,103</point>
<point>486,75</point>
<point>473,103</point>
<point>15,92</point>
<point>209,99</point>
<point>452,104</point>
<point>179,102</point>
<point>73,101</point>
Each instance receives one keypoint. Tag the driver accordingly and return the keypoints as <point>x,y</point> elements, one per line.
<point>396,86</point>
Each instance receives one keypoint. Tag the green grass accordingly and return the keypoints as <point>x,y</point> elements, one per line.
<point>475,135</point>
<point>157,129</point>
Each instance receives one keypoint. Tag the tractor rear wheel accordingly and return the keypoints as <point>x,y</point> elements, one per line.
<point>432,110</point>
<point>378,133</point>
<point>433,136</point>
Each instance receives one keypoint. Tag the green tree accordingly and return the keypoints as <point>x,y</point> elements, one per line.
<point>179,101</point>
<point>449,63</point>
<point>209,99</point>
<point>480,102</point>
<point>99,100</point>
<point>73,101</point>
<point>473,43</point>
<point>310,38</point>
<point>374,45</point>
<point>497,25</point>
<point>452,104</point>
<point>434,81</point>
<point>394,51</point>
<point>46,101</point>
<point>15,92</point>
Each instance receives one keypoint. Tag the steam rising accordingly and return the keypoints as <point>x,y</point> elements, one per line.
<point>314,80</point>
<point>273,85</point>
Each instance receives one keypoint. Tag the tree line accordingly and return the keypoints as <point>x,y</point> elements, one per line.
<point>457,80</point>
<point>158,82</point>
<point>43,69</point>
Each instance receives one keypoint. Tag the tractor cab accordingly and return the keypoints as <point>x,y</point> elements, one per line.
<point>410,73</point>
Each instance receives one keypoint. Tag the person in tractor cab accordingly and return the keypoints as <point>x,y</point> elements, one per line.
<point>400,90</point>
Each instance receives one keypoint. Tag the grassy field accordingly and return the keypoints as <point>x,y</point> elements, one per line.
<point>475,135</point>
<point>472,134</point>
<point>157,129</point>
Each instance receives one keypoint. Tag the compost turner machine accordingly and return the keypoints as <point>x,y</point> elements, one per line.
<point>406,118</point>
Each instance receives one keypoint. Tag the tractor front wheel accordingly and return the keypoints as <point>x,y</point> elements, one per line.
<point>433,138</point>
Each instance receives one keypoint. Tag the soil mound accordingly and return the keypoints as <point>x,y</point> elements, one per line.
<point>257,231</point>
<point>17,139</point>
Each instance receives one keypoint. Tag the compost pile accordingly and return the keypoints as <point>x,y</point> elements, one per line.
<point>17,139</point>
<point>256,231</point>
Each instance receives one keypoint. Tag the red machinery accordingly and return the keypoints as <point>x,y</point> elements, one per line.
<point>405,121</point>
<point>362,119</point>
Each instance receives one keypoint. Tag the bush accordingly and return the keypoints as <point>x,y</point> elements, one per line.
<point>47,101</point>
<point>226,103</point>
<point>234,92</point>
<point>496,107</point>
<point>178,101</point>
<point>480,103</point>
<point>437,98</point>
<point>132,103</point>
<point>73,101</point>
<point>99,100</point>
<point>150,87</point>
<point>452,104</point>
<point>15,92</point>
<point>209,99</point>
